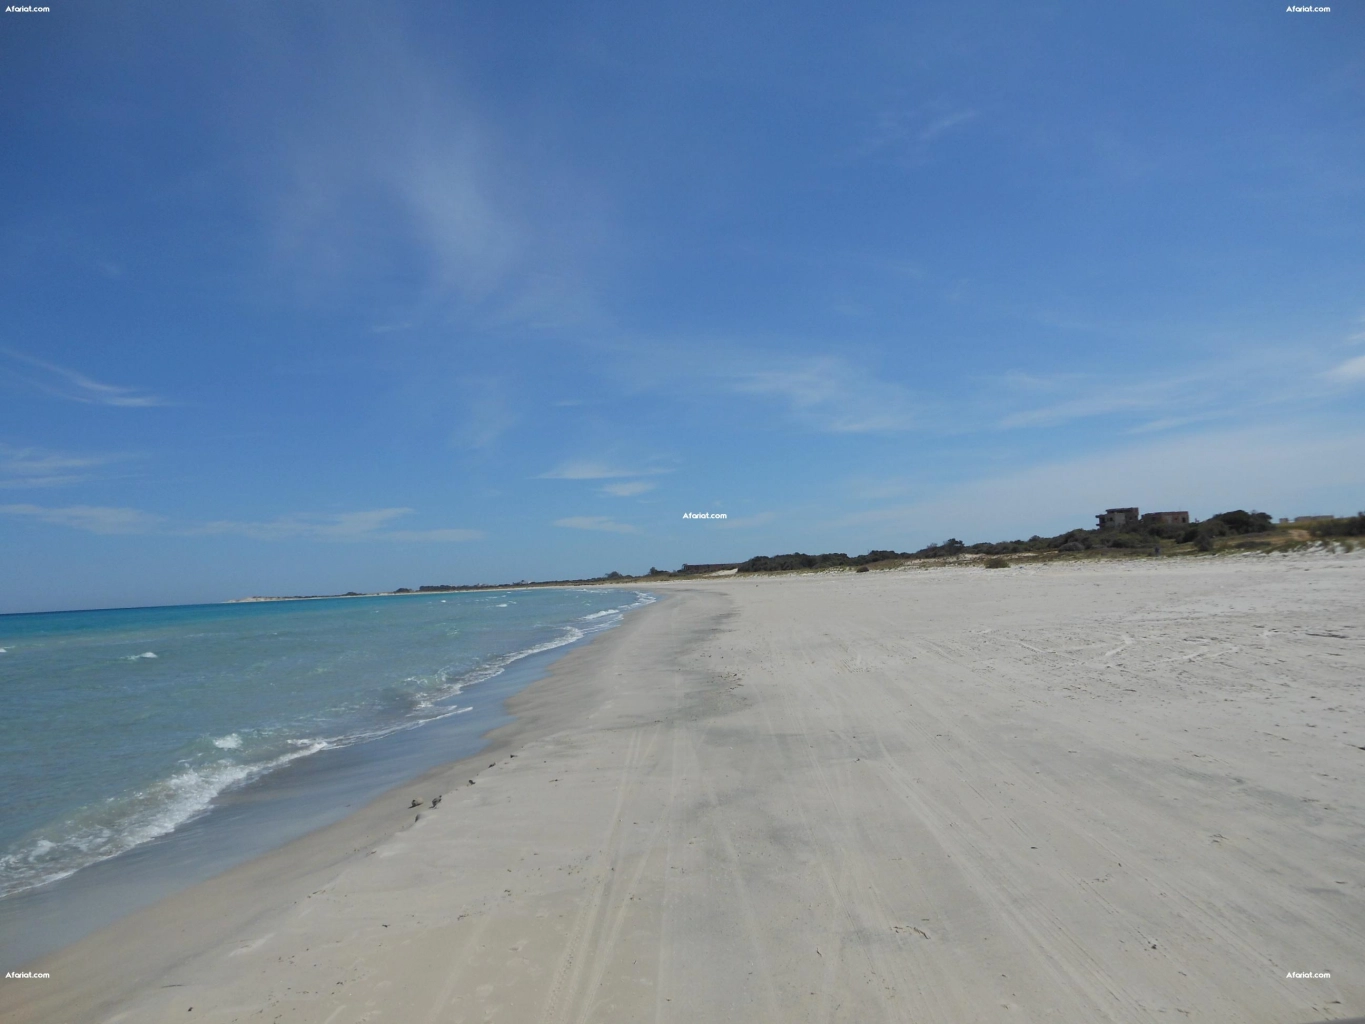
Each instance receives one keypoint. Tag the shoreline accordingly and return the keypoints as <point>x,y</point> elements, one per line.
<point>96,958</point>
<point>270,811</point>
<point>1122,791</point>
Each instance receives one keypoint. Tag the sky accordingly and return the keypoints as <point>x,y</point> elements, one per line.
<point>313,297</point>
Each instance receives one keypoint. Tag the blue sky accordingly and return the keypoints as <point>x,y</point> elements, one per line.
<point>308,297</point>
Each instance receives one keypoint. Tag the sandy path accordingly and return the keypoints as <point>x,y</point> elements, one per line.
<point>1124,792</point>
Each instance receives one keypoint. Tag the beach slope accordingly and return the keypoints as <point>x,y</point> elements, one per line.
<point>1100,792</point>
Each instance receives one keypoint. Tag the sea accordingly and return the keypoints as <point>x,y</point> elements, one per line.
<point>144,749</point>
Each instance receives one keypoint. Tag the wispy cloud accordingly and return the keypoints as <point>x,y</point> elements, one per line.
<point>592,469</point>
<point>630,488</point>
<point>1198,394</point>
<point>908,133</point>
<point>91,518</point>
<point>1171,423</point>
<point>828,394</point>
<point>340,526</point>
<point>486,414</point>
<point>835,393</point>
<point>1350,371</point>
<point>596,523</point>
<point>1277,469</point>
<point>37,467</point>
<point>1101,398</point>
<point>441,196</point>
<point>351,158</point>
<point>61,382</point>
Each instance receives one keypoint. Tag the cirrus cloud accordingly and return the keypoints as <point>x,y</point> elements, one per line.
<point>61,382</point>
<point>30,467</point>
<point>594,469</point>
<point>91,518</point>
<point>596,523</point>
<point>337,526</point>
<point>629,489</point>
<point>1351,371</point>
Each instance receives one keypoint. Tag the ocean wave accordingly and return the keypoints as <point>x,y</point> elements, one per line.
<point>601,614</point>
<point>121,823</point>
<point>593,623</point>
<point>233,759</point>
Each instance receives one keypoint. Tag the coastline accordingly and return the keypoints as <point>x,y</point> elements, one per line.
<point>1104,792</point>
<point>274,808</point>
<point>193,919</point>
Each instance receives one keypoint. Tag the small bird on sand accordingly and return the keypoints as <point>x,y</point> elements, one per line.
<point>415,803</point>
<point>436,800</point>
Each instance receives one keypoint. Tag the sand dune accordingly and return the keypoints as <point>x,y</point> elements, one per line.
<point>1117,792</point>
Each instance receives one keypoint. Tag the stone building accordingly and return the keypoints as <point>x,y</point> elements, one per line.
<point>1113,518</point>
<point>1179,518</point>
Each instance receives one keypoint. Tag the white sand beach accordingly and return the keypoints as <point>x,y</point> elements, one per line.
<point>1124,791</point>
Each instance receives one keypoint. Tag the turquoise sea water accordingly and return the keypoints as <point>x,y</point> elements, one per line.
<point>122,726</point>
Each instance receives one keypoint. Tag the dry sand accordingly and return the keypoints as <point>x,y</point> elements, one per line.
<point>1098,792</point>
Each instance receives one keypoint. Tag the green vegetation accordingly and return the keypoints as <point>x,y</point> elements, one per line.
<point>1353,526</point>
<point>1237,530</point>
<point>1134,537</point>
<point>797,560</point>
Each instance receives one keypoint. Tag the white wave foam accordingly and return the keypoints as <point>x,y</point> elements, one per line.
<point>144,654</point>
<point>166,805</point>
<point>500,606</point>
<point>149,813</point>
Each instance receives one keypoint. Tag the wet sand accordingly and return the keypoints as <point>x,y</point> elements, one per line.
<point>1091,792</point>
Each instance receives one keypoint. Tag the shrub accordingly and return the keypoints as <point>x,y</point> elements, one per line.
<point>1352,527</point>
<point>997,563</point>
<point>1204,542</point>
<point>876,555</point>
<point>863,568</point>
<point>951,546</point>
<point>1127,540</point>
<point>795,560</point>
<point>1241,521</point>
<point>1072,545</point>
